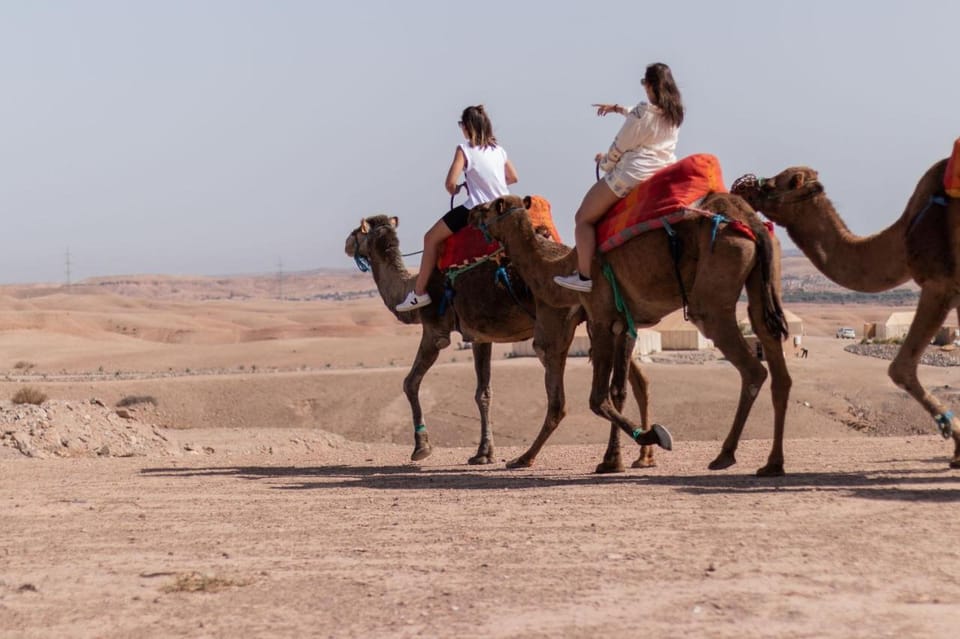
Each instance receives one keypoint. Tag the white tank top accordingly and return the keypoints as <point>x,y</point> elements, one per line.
<point>485,174</point>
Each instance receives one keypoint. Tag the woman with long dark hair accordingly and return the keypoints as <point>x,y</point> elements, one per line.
<point>645,144</point>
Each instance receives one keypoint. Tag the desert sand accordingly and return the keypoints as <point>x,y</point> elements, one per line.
<point>256,482</point>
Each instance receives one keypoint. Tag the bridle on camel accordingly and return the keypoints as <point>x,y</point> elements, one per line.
<point>755,183</point>
<point>361,261</point>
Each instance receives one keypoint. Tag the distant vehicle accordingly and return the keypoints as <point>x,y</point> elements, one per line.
<point>845,332</point>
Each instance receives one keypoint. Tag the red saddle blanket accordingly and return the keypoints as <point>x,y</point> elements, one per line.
<point>468,244</point>
<point>951,179</point>
<point>668,191</point>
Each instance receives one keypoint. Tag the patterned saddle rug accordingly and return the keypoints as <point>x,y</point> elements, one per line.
<point>666,194</point>
<point>468,244</point>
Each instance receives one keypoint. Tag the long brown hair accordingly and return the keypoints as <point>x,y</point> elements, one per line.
<point>666,95</point>
<point>477,124</point>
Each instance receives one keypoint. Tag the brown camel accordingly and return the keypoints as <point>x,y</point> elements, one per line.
<point>488,313</point>
<point>713,274</point>
<point>921,245</point>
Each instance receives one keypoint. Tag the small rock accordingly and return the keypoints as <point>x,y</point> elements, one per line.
<point>124,413</point>
<point>97,402</point>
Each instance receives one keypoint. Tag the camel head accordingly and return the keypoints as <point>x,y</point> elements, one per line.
<point>776,197</point>
<point>372,233</point>
<point>492,216</point>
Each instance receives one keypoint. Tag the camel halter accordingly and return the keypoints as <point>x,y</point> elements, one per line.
<point>752,182</point>
<point>484,227</point>
<point>362,262</point>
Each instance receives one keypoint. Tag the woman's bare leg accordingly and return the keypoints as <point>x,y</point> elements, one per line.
<point>596,203</point>
<point>431,247</point>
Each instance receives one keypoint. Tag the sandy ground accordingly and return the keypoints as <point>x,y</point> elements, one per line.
<point>265,491</point>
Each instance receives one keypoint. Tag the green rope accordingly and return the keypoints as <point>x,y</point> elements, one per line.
<point>453,273</point>
<point>618,300</point>
<point>420,428</point>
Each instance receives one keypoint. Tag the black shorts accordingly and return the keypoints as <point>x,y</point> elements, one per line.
<point>456,218</point>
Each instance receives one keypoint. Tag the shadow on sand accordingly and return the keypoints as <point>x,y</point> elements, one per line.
<point>935,485</point>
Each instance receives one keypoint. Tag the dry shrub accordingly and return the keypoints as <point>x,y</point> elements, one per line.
<point>195,582</point>
<point>23,365</point>
<point>29,395</point>
<point>132,400</point>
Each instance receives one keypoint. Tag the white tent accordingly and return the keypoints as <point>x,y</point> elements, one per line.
<point>648,341</point>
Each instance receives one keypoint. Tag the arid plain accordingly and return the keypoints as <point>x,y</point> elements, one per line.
<point>258,482</point>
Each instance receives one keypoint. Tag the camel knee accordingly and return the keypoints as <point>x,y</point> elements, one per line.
<point>901,376</point>
<point>482,396</point>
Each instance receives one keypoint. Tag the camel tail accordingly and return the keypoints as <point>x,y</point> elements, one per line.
<point>773,315</point>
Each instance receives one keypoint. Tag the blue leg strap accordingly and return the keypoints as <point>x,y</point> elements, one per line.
<point>945,423</point>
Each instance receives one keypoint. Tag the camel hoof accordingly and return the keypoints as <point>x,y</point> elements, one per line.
<point>421,453</point>
<point>606,468</point>
<point>664,438</point>
<point>771,470</point>
<point>644,462</point>
<point>479,460</point>
<point>520,462</point>
<point>723,460</point>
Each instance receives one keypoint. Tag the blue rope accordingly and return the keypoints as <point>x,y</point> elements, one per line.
<point>718,219</point>
<point>934,199</point>
<point>502,276</point>
<point>447,300</point>
<point>945,423</point>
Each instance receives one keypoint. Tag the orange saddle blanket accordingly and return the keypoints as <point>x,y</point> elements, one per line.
<point>951,179</point>
<point>468,244</point>
<point>668,191</point>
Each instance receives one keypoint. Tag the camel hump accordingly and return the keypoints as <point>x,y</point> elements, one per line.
<point>667,192</point>
<point>951,179</point>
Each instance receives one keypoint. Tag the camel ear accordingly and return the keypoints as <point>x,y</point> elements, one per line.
<point>527,201</point>
<point>394,221</point>
<point>364,226</point>
<point>796,180</point>
<point>500,205</point>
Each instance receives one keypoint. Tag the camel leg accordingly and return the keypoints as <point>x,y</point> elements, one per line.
<point>602,353</point>
<point>482,354</point>
<point>427,355</point>
<point>780,385</point>
<point>932,310</point>
<point>552,338</point>
<point>612,458</point>
<point>640,386</point>
<point>721,327</point>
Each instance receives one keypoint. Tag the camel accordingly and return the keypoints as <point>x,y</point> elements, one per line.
<point>922,244</point>
<point>713,274</point>
<point>486,313</point>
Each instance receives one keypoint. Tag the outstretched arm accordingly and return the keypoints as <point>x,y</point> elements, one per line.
<point>603,109</point>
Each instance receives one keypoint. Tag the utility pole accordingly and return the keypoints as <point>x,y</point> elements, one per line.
<point>280,279</point>
<point>68,267</point>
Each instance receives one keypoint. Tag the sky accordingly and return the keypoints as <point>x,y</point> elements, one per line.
<point>217,137</point>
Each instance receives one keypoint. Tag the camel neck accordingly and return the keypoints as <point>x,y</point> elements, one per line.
<point>391,277</point>
<point>539,260</point>
<point>867,264</point>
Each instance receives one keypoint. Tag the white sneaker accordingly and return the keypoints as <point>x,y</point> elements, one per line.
<point>574,283</point>
<point>414,301</point>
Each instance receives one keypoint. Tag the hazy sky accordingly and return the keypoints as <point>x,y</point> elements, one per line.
<point>218,137</point>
